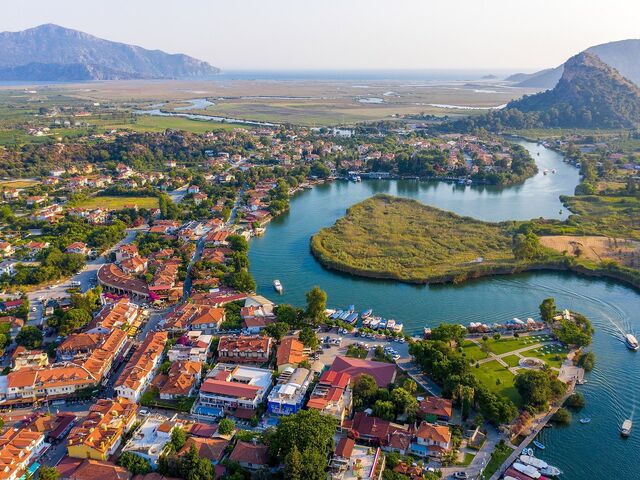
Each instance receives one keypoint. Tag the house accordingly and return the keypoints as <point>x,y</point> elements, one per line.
<point>181,380</point>
<point>431,440</point>
<point>8,267</point>
<point>287,396</point>
<point>150,439</point>
<point>397,441</point>
<point>78,247</point>
<point>198,198</point>
<point>79,343</point>
<point>371,429</point>
<point>332,395</point>
<point>193,189</point>
<point>244,349</point>
<point>208,320</point>
<point>383,373</point>
<point>193,346</point>
<point>71,468</point>
<point>99,435</point>
<point>435,408</point>
<point>210,448</point>
<point>133,265</point>
<point>249,455</point>
<point>291,352</point>
<point>126,251</point>
<point>15,325</point>
<point>19,448</point>
<point>255,318</point>
<point>141,368</point>
<point>236,389</point>
<point>36,247</point>
<point>23,358</point>
<point>351,462</point>
<point>6,249</point>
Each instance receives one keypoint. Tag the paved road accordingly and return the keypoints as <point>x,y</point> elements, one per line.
<point>178,195</point>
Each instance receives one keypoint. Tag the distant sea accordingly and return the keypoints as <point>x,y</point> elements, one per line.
<point>423,76</point>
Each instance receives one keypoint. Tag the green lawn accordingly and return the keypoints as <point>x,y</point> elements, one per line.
<point>512,360</point>
<point>554,354</point>
<point>118,203</point>
<point>488,373</point>
<point>473,351</point>
<point>468,458</point>
<point>18,183</point>
<point>499,455</point>
<point>148,123</point>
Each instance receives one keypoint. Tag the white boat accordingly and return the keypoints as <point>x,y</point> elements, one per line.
<point>585,420</point>
<point>374,323</point>
<point>277,286</point>
<point>366,321</point>
<point>528,470</point>
<point>631,341</point>
<point>398,327</point>
<point>551,471</point>
<point>625,429</point>
<point>545,172</point>
<point>391,324</point>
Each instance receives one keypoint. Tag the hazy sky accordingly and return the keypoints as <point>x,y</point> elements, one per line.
<point>347,34</point>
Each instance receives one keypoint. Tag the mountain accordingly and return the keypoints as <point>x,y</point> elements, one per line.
<point>53,53</point>
<point>589,94</point>
<point>623,55</point>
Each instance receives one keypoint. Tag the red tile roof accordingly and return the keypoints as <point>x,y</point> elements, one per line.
<point>345,447</point>
<point>383,373</point>
<point>232,389</point>
<point>246,452</point>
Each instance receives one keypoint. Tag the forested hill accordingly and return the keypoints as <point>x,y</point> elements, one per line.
<point>590,94</point>
<point>53,53</point>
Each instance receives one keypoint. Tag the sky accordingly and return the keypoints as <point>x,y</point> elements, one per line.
<point>511,35</point>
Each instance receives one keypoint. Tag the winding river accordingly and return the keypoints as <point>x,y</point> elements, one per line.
<point>592,451</point>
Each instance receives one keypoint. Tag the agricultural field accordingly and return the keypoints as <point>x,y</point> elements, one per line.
<point>596,248</point>
<point>18,183</point>
<point>118,203</point>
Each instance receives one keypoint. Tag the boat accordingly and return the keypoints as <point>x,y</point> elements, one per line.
<point>528,470</point>
<point>540,464</point>
<point>352,308</point>
<point>585,420</point>
<point>278,286</point>
<point>391,324</point>
<point>383,324</point>
<point>625,429</point>
<point>374,323</point>
<point>366,321</point>
<point>545,172</point>
<point>352,318</point>
<point>539,445</point>
<point>631,341</point>
<point>337,314</point>
<point>344,315</point>
<point>468,182</point>
<point>366,313</point>
<point>398,327</point>
<point>528,451</point>
<point>462,181</point>
<point>548,425</point>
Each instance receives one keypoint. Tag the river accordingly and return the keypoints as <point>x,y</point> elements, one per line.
<point>593,451</point>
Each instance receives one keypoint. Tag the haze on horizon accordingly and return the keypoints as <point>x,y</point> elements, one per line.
<point>507,35</point>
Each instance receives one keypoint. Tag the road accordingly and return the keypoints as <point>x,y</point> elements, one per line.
<point>87,278</point>
<point>178,195</point>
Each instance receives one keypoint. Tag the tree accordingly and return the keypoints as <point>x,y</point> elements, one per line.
<point>307,429</point>
<point>178,438</point>
<point>575,401</point>
<point>277,330</point>
<point>293,466</point>
<point>527,246</point>
<point>548,310</point>
<point>29,337</point>
<point>314,463</point>
<point>365,389</point>
<point>575,331</point>
<point>316,304</point>
<point>562,417</point>
<point>309,338</point>
<point>242,281</point>
<point>410,385</point>
<point>288,314</point>
<point>384,409</point>
<point>48,473</point>
<point>448,333</point>
<point>403,401</point>
<point>534,386</point>
<point>134,463</point>
<point>226,426</point>
<point>238,243</point>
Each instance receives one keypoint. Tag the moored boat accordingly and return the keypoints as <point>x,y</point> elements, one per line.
<point>391,324</point>
<point>625,429</point>
<point>366,313</point>
<point>398,327</point>
<point>337,314</point>
<point>383,324</point>
<point>352,318</point>
<point>528,470</point>
<point>631,341</point>
<point>374,323</point>
<point>539,445</point>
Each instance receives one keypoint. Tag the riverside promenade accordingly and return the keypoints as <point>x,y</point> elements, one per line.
<point>571,375</point>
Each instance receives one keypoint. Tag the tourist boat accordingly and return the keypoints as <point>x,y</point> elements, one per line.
<point>631,341</point>
<point>625,429</point>
<point>539,445</point>
<point>366,313</point>
<point>344,315</point>
<point>366,321</point>
<point>398,327</point>
<point>374,323</point>
<point>391,324</point>
<point>585,420</point>
<point>541,465</point>
<point>278,286</point>
<point>545,172</point>
<point>528,470</point>
<point>337,314</point>
<point>352,318</point>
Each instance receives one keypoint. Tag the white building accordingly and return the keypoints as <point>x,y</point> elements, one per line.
<point>287,397</point>
<point>150,439</point>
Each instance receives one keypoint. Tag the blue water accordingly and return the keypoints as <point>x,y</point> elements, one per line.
<point>593,451</point>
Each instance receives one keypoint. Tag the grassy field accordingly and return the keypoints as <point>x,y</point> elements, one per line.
<point>512,360</point>
<point>19,183</point>
<point>599,215</point>
<point>488,374</point>
<point>118,203</point>
<point>388,237</point>
<point>148,123</point>
<point>499,455</point>
<point>473,351</point>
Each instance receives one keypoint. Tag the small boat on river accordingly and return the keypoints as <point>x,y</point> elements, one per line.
<point>278,286</point>
<point>625,429</point>
<point>366,313</point>
<point>585,420</point>
<point>631,341</point>
<point>539,445</point>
